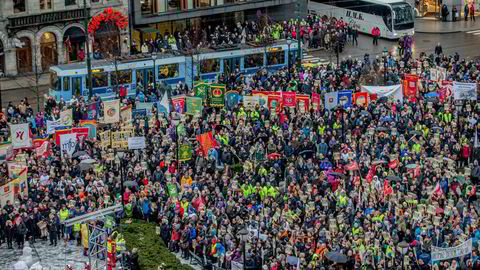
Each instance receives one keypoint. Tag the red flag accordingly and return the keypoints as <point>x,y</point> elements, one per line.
<point>316,101</point>
<point>387,190</point>
<point>206,141</point>
<point>371,173</point>
<point>289,99</point>
<point>438,190</point>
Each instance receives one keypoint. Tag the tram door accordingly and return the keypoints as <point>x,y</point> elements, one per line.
<point>144,78</point>
<point>77,87</point>
<point>230,65</point>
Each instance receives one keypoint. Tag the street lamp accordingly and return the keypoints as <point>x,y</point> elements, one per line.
<point>176,122</point>
<point>243,235</point>
<point>385,64</point>
<point>120,155</point>
<point>289,42</point>
<point>154,58</point>
<point>403,249</point>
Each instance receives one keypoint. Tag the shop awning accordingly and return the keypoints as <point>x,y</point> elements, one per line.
<point>148,30</point>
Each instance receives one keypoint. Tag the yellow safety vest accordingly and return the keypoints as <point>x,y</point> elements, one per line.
<point>109,246</point>
<point>76,227</point>
<point>120,243</point>
<point>63,215</point>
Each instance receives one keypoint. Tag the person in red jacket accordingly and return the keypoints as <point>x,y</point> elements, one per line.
<point>376,35</point>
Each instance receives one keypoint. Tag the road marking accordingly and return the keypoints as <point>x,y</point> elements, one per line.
<point>474,31</point>
<point>476,34</point>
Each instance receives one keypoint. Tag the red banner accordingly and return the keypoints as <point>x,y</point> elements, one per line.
<point>372,97</point>
<point>361,99</point>
<point>81,132</point>
<point>387,189</point>
<point>58,133</point>
<point>316,101</point>
<point>371,173</point>
<point>289,99</point>
<point>178,104</point>
<point>42,147</point>
<point>410,85</point>
<point>275,102</point>
<point>303,101</point>
<point>206,141</point>
<point>445,90</point>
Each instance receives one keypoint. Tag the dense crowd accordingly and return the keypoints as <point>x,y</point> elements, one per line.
<point>306,185</point>
<point>315,32</point>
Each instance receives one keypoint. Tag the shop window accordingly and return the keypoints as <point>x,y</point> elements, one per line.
<point>70,2</point>
<point>24,55</point>
<point>48,49</point>
<point>100,79</point>
<point>45,4</point>
<point>124,77</point>
<point>254,60</point>
<point>210,66</point>
<point>167,71</point>
<point>276,58</point>
<point>18,6</point>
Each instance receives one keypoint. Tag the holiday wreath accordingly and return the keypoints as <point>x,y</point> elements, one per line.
<point>108,16</point>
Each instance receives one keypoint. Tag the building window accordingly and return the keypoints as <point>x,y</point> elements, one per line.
<point>18,6</point>
<point>24,55</point>
<point>70,2</point>
<point>48,50</point>
<point>45,4</point>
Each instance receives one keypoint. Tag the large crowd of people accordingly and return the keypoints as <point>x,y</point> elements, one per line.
<point>305,185</point>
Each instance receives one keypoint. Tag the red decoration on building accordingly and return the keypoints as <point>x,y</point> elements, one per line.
<point>108,15</point>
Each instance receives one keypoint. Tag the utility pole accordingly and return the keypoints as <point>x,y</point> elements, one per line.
<point>89,83</point>
<point>298,7</point>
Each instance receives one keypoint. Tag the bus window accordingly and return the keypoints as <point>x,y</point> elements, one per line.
<point>100,79</point>
<point>403,16</point>
<point>276,58</point>
<point>55,81</point>
<point>124,77</point>
<point>168,71</point>
<point>66,83</point>
<point>254,60</point>
<point>209,66</point>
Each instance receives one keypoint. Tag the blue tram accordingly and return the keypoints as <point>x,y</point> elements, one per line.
<point>138,72</point>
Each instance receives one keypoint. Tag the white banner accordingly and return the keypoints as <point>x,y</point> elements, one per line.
<point>20,136</point>
<point>391,92</point>
<point>464,91</point>
<point>66,117</point>
<point>439,254</point>
<point>331,100</point>
<point>111,111</point>
<point>250,102</point>
<point>136,143</point>
<point>51,125</point>
<point>68,142</point>
<point>237,266</point>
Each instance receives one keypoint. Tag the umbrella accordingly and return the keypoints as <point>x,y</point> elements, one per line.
<point>386,119</point>
<point>220,126</point>
<point>336,257</point>
<point>85,166</point>
<point>130,184</point>
<point>381,129</point>
<point>414,132</point>
<point>341,175</point>
<point>88,161</point>
<point>305,152</point>
<point>274,155</point>
<point>438,129</point>
<point>411,166</point>
<point>393,178</point>
<point>79,154</point>
<point>379,161</point>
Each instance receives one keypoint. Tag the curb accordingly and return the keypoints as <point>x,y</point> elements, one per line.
<point>440,33</point>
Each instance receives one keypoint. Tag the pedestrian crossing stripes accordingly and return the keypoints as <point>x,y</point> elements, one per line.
<point>474,32</point>
<point>310,59</point>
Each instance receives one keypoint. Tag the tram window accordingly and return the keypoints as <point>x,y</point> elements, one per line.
<point>124,77</point>
<point>66,83</point>
<point>254,60</point>
<point>55,81</point>
<point>100,79</point>
<point>276,58</point>
<point>210,66</point>
<point>168,71</point>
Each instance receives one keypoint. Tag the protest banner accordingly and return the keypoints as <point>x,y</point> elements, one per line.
<point>275,103</point>
<point>316,101</point>
<point>445,90</point>
<point>263,97</point>
<point>82,132</point>
<point>361,99</point>
<point>303,102</point>
<point>464,91</point>
<point>206,142</point>
<point>289,99</point>
<point>441,73</point>
<point>126,114</point>
<point>331,100</point>
<point>68,142</point>
<point>410,85</point>
<point>20,136</point>
<point>440,254</point>
<point>232,99</point>
<point>217,95</point>
<point>105,139</point>
<point>111,111</point>
<point>6,152</point>
<point>163,106</point>
<point>251,102</point>
<point>120,138</point>
<point>136,143</point>
<point>60,131</point>
<point>392,92</point>
<point>42,148</point>
<point>194,105</point>
<point>148,106</point>
<point>185,152</point>
<point>92,128</point>
<point>52,125</point>
<point>201,90</point>
<point>345,98</point>
<point>178,103</point>
<point>93,109</point>
<point>66,117</point>
<point>433,74</point>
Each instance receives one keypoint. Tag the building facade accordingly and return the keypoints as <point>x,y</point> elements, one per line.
<point>159,16</point>
<point>36,34</point>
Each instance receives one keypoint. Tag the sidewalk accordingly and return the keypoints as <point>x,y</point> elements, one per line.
<point>434,26</point>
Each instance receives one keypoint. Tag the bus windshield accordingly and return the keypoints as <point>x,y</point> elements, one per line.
<point>403,14</point>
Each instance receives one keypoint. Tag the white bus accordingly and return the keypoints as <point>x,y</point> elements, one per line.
<point>393,17</point>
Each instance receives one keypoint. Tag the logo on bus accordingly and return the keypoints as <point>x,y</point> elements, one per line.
<point>354,15</point>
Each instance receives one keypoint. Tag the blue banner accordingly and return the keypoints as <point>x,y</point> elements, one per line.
<point>345,98</point>
<point>233,98</point>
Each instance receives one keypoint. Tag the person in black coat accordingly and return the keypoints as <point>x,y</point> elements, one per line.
<point>21,231</point>
<point>9,232</point>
